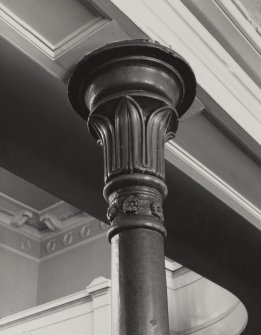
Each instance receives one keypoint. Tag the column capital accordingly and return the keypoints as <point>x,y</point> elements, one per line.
<point>132,94</point>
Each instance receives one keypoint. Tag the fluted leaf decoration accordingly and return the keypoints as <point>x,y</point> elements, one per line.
<point>106,133</point>
<point>157,126</point>
<point>134,141</point>
<point>130,134</point>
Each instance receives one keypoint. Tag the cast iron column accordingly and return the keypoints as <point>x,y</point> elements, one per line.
<point>132,94</point>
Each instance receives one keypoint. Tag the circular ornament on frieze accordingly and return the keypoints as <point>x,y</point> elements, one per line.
<point>25,245</point>
<point>68,239</point>
<point>51,246</point>
<point>85,231</point>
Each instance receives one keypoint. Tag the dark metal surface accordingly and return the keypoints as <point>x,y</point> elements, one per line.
<point>139,283</point>
<point>132,94</point>
<point>125,67</point>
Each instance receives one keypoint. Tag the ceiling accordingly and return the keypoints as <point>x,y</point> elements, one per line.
<point>25,192</point>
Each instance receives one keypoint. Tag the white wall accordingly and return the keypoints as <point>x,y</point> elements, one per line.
<point>73,270</point>
<point>26,282</point>
<point>85,312</point>
<point>196,306</point>
<point>18,282</point>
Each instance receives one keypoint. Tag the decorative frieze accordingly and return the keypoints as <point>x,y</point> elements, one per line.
<point>53,220</point>
<point>14,240</point>
<point>38,234</point>
<point>134,204</point>
<point>29,220</point>
<point>83,233</point>
<point>36,220</point>
<point>50,243</point>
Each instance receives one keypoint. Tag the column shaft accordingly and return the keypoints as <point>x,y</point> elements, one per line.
<point>139,296</point>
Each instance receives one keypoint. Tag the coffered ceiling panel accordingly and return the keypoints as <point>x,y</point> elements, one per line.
<point>53,26</point>
<point>58,33</point>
